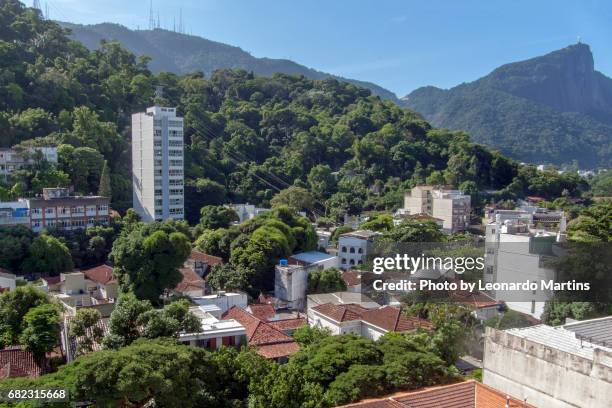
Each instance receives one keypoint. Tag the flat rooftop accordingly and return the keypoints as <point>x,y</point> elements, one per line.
<point>571,338</point>
<point>312,257</point>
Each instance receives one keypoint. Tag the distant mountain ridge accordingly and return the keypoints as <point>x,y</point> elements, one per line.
<point>554,108</point>
<point>182,53</point>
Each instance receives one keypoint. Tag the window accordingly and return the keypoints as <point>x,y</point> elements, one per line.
<point>533,306</point>
<point>176,163</point>
<point>177,191</point>
<point>489,270</point>
<point>175,153</point>
<point>343,261</point>
<point>352,250</point>
<point>175,143</point>
<point>35,211</point>
<point>158,192</point>
<point>49,211</point>
<point>103,208</point>
<point>352,262</point>
<point>176,201</point>
<point>174,172</point>
<point>343,249</point>
<point>176,211</point>
<point>360,251</point>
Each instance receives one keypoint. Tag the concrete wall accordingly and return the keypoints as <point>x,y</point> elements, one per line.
<point>546,377</point>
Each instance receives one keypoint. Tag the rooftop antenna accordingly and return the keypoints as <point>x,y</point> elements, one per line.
<point>158,24</point>
<point>181,21</point>
<point>174,24</point>
<point>579,40</point>
<point>151,20</point>
<point>46,10</point>
<point>36,5</point>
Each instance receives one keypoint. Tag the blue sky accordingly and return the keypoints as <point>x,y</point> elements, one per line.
<point>400,45</point>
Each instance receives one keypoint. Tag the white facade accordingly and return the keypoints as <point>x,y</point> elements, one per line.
<point>223,301</point>
<point>291,279</point>
<point>353,247</point>
<point>8,280</point>
<point>451,206</point>
<point>246,211</point>
<point>552,367</point>
<point>511,255</point>
<point>157,164</point>
<point>214,332</point>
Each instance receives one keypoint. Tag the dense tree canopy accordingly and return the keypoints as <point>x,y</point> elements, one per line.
<point>147,258</point>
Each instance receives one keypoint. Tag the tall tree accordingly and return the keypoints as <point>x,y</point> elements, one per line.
<point>48,255</point>
<point>147,258</point>
<point>105,189</point>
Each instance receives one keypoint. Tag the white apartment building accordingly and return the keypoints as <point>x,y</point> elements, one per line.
<point>565,366</point>
<point>353,247</point>
<point>157,164</point>
<point>451,206</point>
<point>516,253</point>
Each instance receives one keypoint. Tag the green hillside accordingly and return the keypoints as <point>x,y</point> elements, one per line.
<point>551,109</point>
<point>182,53</point>
<point>247,137</point>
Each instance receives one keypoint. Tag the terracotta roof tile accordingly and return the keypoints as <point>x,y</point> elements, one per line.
<point>278,350</point>
<point>202,257</point>
<point>52,280</point>
<point>263,312</point>
<point>260,333</point>
<point>102,274</point>
<point>16,362</point>
<point>191,281</point>
<point>288,324</point>
<point>474,299</point>
<point>468,394</point>
<point>352,277</point>
<point>392,319</point>
<point>341,313</point>
<point>461,395</point>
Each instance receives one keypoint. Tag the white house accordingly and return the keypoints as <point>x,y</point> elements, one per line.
<point>354,247</point>
<point>369,323</point>
<point>7,280</point>
<point>291,276</point>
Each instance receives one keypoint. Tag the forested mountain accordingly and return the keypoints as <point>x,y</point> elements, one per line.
<point>246,137</point>
<point>181,53</point>
<point>554,108</point>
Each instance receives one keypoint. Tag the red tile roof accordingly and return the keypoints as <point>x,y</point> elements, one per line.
<point>202,257</point>
<point>52,280</point>
<point>288,324</point>
<point>278,350</point>
<point>102,274</point>
<point>262,312</point>
<point>388,318</point>
<point>461,395</point>
<point>340,313</point>
<point>260,334</point>
<point>191,281</point>
<point>352,277</point>
<point>16,362</point>
<point>475,299</point>
<point>392,319</point>
<point>468,394</point>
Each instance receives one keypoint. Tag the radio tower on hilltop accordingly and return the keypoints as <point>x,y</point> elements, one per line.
<point>151,18</point>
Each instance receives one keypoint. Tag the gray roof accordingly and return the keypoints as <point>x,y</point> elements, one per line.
<point>597,331</point>
<point>563,338</point>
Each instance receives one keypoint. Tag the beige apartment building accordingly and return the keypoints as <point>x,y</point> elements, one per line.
<point>451,206</point>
